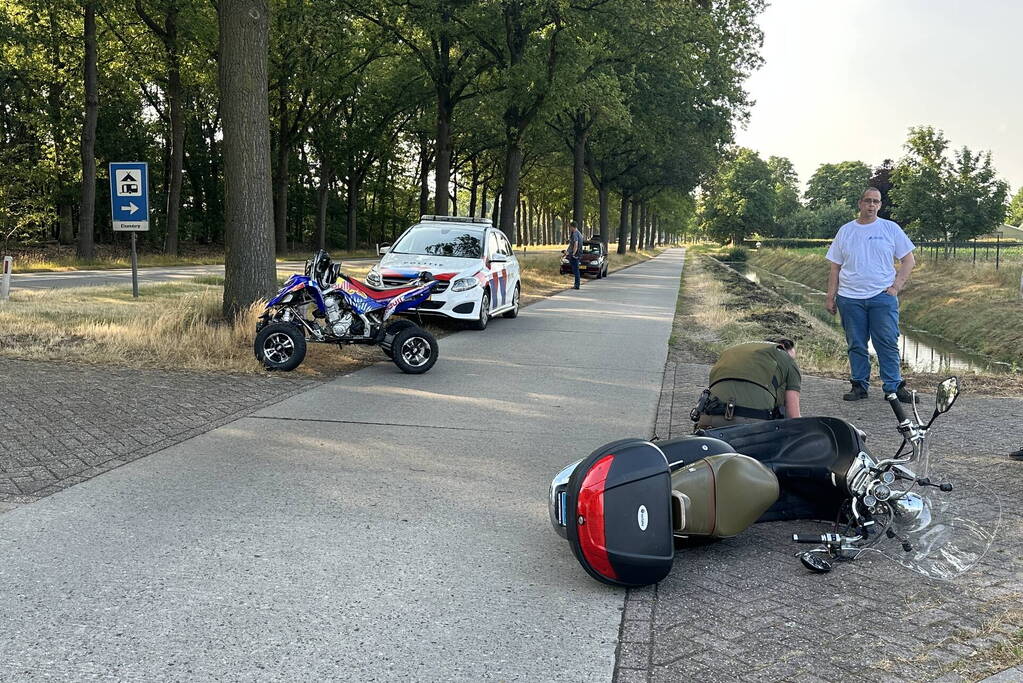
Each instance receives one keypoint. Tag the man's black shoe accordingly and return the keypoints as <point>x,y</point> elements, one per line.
<point>1017,455</point>
<point>904,394</point>
<point>856,394</point>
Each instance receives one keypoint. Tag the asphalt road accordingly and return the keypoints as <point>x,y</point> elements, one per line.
<point>381,526</point>
<point>87,278</point>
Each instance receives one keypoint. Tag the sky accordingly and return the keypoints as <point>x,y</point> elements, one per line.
<point>844,80</point>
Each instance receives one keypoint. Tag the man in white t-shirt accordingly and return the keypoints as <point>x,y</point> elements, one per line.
<point>863,285</point>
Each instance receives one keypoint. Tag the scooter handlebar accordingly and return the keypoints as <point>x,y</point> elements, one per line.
<point>893,401</point>
<point>816,538</point>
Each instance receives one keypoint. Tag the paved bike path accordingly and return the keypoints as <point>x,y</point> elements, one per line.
<point>380,526</point>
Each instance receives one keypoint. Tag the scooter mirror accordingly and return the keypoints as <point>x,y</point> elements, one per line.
<point>948,392</point>
<point>815,563</point>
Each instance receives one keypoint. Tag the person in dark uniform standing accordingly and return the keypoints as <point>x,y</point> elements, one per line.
<point>751,382</point>
<point>574,251</point>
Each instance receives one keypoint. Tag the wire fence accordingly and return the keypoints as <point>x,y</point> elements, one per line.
<point>996,252</point>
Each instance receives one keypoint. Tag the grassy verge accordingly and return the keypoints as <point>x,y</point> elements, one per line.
<point>179,325</point>
<point>976,307</point>
<point>718,308</point>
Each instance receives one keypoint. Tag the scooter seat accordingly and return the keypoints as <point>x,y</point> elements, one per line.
<point>721,495</point>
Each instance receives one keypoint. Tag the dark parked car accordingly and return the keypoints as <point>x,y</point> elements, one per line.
<point>592,261</point>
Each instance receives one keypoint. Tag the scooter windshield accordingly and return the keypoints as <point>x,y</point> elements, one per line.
<point>941,534</point>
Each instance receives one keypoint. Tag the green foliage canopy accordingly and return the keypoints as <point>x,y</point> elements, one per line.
<point>936,196</point>
<point>739,200</point>
<point>842,182</point>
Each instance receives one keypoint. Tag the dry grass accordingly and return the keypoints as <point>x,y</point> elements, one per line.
<point>719,308</point>
<point>179,325</point>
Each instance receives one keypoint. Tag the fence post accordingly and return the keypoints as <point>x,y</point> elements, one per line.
<point>974,251</point>
<point>998,250</point>
<point>5,278</point>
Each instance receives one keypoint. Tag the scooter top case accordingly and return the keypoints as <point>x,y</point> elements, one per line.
<point>617,510</point>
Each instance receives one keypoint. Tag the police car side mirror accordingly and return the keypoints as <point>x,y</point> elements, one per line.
<point>383,249</point>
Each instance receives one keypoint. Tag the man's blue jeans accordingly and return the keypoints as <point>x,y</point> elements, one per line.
<point>574,262</point>
<point>876,319</point>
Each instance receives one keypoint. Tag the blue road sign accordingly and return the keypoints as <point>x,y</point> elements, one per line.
<point>129,195</point>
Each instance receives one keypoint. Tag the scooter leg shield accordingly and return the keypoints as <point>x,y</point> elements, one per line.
<point>618,514</point>
<point>723,494</point>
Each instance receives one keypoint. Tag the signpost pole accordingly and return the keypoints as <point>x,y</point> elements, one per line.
<point>134,268</point>
<point>129,206</point>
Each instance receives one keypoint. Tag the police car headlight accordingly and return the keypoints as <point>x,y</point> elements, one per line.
<point>464,284</point>
<point>374,278</point>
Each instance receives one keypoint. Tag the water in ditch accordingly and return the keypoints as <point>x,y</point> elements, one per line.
<point>921,351</point>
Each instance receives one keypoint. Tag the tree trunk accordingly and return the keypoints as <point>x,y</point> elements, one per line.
<point>644,225</point>
<point>87,205</point>
<point>64,191</point>
<point>177,130</point>
<point>623,223</point>
<point>634,227</point>
<point>520,223</point>
<point>605,228</point>
<point>424,175</point>
<point>322,199</point>
<point>353,205</point>
<point>249,269</point>
<point>578,175</point>
<point>495,217</point>
<point>443,172</point>
<point>66,233</point>
<point>280,179</point>
<point>510,192</point>
<point>474,170</point>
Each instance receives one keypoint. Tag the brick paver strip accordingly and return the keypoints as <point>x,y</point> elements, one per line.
<point>63,424</point>
<point>744,609</point>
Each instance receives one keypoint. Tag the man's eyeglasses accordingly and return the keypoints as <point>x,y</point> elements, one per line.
<point>870,200</point>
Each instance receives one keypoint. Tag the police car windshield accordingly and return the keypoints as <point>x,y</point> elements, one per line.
<point>441,241</point>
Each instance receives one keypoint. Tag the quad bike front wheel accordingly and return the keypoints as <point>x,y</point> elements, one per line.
<point>280,346</point>
<point>414,350</point>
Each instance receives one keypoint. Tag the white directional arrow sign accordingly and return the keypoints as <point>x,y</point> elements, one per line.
<point>129,195</point>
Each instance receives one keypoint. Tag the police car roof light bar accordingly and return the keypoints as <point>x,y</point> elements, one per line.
<point>454,219</point>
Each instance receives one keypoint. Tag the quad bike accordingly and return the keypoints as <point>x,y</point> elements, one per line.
<point>325,305</point>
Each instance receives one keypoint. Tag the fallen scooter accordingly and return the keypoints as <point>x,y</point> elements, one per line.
<point>622,507</point>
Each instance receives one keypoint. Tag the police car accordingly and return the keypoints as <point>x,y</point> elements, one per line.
<point>478,273</point>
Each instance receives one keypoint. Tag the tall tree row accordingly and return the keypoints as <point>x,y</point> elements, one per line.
<point>532,112</point>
